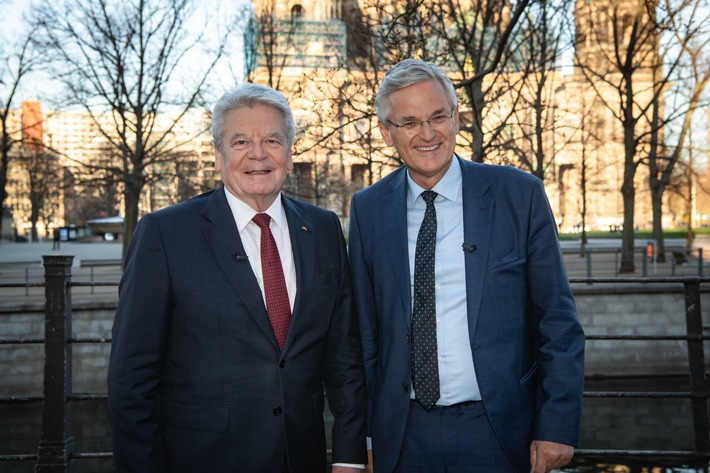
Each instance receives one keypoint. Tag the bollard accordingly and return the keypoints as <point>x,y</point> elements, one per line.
<point>644,263</point>
<point>56,445</point>
<point>700,262</point>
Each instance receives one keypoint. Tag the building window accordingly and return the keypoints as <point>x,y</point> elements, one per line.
<point>302,184</point>
<point>357,174</point>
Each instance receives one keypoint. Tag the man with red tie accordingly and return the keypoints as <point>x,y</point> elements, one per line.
<point>235,312</point>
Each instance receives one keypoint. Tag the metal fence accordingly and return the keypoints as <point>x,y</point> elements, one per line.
<point>605,262</point>
<point>56,450</point>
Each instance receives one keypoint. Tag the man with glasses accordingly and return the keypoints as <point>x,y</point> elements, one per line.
<point>472,346</point>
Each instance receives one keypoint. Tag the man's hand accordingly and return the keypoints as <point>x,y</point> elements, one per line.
<point>546,456</point>
<point>368,467</point>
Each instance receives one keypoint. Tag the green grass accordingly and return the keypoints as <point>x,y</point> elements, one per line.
<point>641,234</point>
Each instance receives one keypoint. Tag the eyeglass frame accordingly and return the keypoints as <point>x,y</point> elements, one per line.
<point>416,124</point>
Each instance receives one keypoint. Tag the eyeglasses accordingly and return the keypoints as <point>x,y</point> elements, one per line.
<point>412,125</point>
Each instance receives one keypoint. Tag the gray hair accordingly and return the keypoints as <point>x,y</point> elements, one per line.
<point>250,95</point>
<point>406,73</point>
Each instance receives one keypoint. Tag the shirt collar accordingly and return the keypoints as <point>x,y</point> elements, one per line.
<point>448,187</point>
<point>243,213</point>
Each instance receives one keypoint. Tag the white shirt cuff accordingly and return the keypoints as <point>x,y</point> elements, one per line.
<point>350,465</point>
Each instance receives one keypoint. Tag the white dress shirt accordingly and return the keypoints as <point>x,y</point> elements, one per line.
<point>457,376</point>
<point>250,233</point>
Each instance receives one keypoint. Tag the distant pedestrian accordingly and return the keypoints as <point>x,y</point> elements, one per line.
<point>55,239</point>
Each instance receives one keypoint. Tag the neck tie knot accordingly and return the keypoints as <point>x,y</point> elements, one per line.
<point>429,197</point>
<point>262,220</point>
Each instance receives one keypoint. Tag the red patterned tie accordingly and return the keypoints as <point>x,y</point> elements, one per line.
<point>277,304</point>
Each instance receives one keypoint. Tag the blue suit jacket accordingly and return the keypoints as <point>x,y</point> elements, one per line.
<point>527,343</point>
<point>196,378</point>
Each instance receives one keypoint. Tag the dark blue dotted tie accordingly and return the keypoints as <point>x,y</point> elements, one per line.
<point>425,364</point>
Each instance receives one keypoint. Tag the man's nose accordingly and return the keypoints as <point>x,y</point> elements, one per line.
<point>426,130</point>
<point>257,150</point>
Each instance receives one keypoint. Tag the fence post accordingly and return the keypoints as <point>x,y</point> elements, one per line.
<point>57,443</point>
<point>673,263</point>
<point>696,362</point>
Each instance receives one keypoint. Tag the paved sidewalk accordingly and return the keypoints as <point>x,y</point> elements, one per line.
<point>603,259</point>
<point>11,252</point>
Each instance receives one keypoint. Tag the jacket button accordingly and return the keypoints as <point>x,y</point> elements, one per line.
<point>405,386</point>
<point>282,364</point>
<point>278,411</point>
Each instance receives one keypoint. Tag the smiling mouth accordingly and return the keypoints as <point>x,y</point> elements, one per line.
<point>426,148</point>
<point>257,172</point>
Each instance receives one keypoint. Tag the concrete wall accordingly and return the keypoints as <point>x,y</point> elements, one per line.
<point>639,310</point>
<point>22,366</point>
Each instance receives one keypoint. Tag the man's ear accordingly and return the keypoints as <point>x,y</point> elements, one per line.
<point>217,159</point>
<point>385,132</point>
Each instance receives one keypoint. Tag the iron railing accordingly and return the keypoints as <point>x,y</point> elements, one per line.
<point>598,261</point>
<point>56,450</point>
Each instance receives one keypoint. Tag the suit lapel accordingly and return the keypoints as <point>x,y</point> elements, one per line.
<point>223,239</point>
<point>303,244</point>
<point>478,204</point>
<point>394,217</point>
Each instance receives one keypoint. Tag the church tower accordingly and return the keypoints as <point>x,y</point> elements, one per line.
<point>292,37</point>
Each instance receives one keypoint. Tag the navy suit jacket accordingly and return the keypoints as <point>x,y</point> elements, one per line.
<point>196,378</point>
<point>526,340</point>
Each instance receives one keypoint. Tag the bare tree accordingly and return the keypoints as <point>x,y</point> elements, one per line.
<point>16,63</point>
<point>341,101</point>
<point>544,35</point>
<point>588,140</point>
<point>45,176</point>
<point>343,130</point>
<point>620,62</point>
<point>689,39</point>
<point>473,39</point>
<point>129,64</point>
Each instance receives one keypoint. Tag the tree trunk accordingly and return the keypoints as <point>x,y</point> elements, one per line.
<point>656,205</point>
<point>5,161</point>
<point>131,195</point>
<point>477,101</point>
<point>627,244</point>
<point>628,190</point>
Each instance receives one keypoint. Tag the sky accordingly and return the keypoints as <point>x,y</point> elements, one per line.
<point>35,87</point>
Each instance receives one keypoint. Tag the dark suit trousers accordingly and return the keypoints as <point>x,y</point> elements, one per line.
<point>455,439</point>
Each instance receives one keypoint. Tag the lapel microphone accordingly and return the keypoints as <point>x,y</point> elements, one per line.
<point>240,257</point>
<point>469,247</point>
